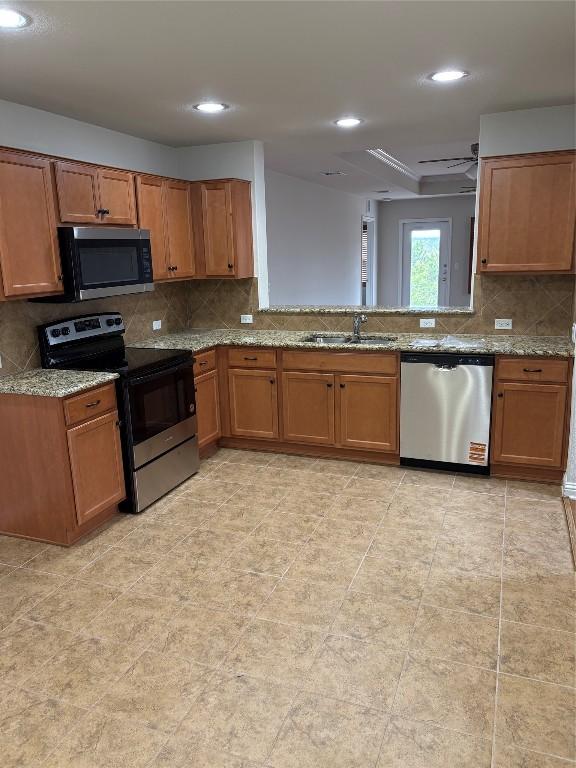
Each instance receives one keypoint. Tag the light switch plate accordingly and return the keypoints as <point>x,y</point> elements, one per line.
<point>246,319</point>
<point>503,324</point>
<point>156,325</point>
<point>427,322</point>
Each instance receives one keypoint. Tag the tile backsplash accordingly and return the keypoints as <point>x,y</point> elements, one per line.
<point>540,306</point>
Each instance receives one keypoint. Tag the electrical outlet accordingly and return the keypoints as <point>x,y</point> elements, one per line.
<point>503,325</point>
<point>156,325</point>
<point>427,322</point>
<point>246,319</point>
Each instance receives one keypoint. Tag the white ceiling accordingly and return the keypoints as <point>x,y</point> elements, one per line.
<point>288,69</point>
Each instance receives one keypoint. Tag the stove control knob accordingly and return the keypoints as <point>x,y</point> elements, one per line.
<point>118,321</point>
<point>110,321</point>
<point>65,331</point>
<point>55,332</point>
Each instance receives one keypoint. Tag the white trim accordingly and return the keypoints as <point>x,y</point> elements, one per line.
<point>569,489</point>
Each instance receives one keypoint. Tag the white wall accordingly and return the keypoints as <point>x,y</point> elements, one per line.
<point>523,131</point>
<point>39,131</point>
<point>314,237</point>
<point>459,208</point>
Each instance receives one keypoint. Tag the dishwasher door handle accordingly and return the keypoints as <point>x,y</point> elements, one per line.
<point>446,367</point>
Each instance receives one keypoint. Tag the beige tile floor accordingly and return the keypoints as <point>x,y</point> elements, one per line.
<point>285,612</point>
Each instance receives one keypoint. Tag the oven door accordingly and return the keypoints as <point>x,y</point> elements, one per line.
<point>162,412</point>
<point>106,261</point>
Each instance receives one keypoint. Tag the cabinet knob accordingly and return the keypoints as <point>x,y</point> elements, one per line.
<point>328,385</point>
<point>342,386</point>
<point>60,278</point>
<point>484,261</point>
<point>103,212</point>
<point>532,370</point>
<point>500,394</point>
<point>272,381</point>
<point>230,266</point>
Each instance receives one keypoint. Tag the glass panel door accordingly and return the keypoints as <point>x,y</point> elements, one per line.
<point>426,263</point>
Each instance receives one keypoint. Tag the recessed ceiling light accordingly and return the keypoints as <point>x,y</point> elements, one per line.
<point>348,122</point>
<point>10,19</point>
<point>211,107</point>
<point>448,75</point>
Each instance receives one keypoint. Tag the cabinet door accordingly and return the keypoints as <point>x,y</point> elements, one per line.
<point>29,256</point>
<point>218,240</point>
<point>151,215</point>
<point>242,228</point>
<point>96,465</point>
<point>527,213</point>
<point>116,196</point>
<point>207,408</point>
<point>253,403</point>
<point>308,407</point>
<point>368,412</point>
<point>528,424</point>
<point>77,187</point>
<point>179,225</point>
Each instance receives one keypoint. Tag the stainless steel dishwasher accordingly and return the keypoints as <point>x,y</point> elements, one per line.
<point>445,406</point>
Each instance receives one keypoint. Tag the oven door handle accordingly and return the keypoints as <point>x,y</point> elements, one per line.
<point>159,373</point>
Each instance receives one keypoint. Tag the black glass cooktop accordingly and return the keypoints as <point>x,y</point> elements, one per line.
<point>132,361</point>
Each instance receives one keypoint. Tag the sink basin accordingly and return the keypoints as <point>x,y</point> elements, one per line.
<point>318,338</point>
<point>379,340</point>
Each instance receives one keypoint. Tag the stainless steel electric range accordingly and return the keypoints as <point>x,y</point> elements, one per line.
<point>156,399</point>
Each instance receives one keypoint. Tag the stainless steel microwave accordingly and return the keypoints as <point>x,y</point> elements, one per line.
<point>103,261</point>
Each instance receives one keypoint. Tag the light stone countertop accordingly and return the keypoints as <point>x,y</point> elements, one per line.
<point>53,383</point>
<point>58,383</point>
<point>198,340</point>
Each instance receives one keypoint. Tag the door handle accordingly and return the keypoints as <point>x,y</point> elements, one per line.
<point>94,404</point>
<point>532,370</point>
<point>250,358</point>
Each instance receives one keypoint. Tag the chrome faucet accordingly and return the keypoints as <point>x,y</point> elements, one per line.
<point>357,322</point>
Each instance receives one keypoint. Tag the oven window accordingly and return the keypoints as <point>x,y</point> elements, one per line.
<point>108,264</point>
<point>160,403</point>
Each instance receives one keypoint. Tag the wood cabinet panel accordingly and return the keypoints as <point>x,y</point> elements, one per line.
<point>179,229</point>
<point>527,214</point>
<point>535,369</point>
<point>253,399</point>
<point>248,357</point>
<point>90,194</point>
<point>96,466</point>
<point>116,195</point>
<point>308,407</point>
<point>528,424</point>
<point>217,224</point>
<point>204,362</point>
<point>353,362</point>
<point>368,412</point>
<point>29,254</point>
<point>89,404</point>
<point>151,216</point>
<point>207,408</point>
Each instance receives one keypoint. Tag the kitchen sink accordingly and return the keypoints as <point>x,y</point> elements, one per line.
<point>318,338</point>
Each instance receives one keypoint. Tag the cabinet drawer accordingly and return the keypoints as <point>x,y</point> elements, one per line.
<point>90,404</point>
<point>347,362</point>
<point>204,362</point>
<point>247,357</point>
<point>532,369</point>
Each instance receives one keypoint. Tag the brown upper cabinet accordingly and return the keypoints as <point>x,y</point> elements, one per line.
<point>527,217</point>
<point>29,258</point>
<point>89,194</point>
<point>165,208</point>
<point>227,228</point>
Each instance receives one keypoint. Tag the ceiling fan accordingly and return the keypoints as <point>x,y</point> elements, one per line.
<point>471,172</point>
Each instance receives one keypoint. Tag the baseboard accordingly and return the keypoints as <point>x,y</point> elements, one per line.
<point>317,451</point>
<point>519,472</point>
<point>569,490</point>
<point>570,509</point>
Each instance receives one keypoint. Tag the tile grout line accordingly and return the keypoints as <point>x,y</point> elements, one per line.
<point>498,651</point>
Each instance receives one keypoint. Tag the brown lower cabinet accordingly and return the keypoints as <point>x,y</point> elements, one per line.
<point>207,408</point>
<point>253,403</point>
<point>368,412</point>
<point>62,464</point>
<point>308,407</point>
<point>530,418</point>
